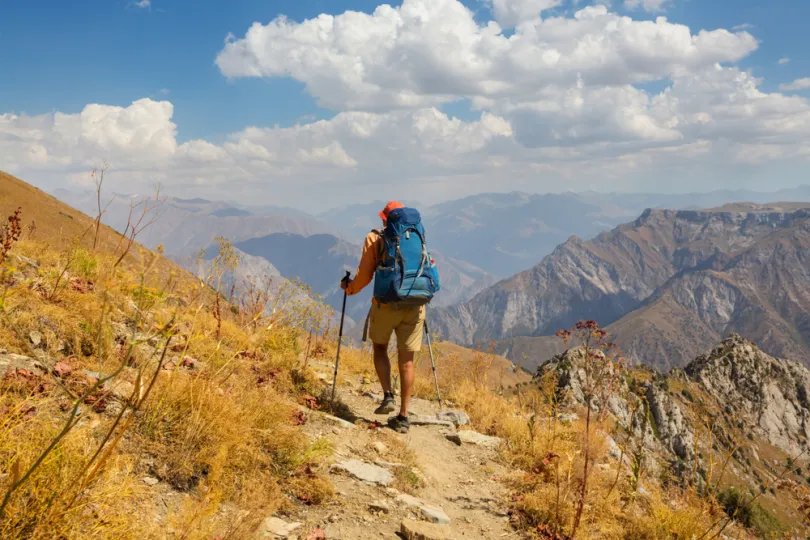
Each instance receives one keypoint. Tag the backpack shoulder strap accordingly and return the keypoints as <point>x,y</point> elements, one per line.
<point>381,245</point>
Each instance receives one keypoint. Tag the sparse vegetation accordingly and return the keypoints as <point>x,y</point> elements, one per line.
<point>133,385</point>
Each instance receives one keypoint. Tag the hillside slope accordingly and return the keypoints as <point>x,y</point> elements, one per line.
<point>678,280</point>
<point>185,226</point>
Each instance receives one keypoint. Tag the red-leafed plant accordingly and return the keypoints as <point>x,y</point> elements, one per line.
<point>601,364</point>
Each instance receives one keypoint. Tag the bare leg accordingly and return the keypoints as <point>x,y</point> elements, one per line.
<point>383,366</point>
<point>406,379</point>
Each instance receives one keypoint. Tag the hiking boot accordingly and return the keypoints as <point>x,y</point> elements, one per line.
<point>387,405</point>
<point>399,424</point>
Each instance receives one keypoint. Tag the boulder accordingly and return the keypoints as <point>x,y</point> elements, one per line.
<point>473,437</point>
<point>458,418</point>
<point>365,472</point>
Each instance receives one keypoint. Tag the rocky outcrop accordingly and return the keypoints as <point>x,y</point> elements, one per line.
<point>673,430</point>
<point>744,391</point>
<point>769,395</point>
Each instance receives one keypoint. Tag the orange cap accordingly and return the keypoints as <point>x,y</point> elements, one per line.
<point>388,207</point>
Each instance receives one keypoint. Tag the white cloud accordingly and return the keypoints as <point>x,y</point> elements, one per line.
<point>783,61</point>
<point>798,84</point>
<point>646,5</point>
<point>744,26</point>
<point>428,52</point>
<point>143,4</point>
<point>511,12</point>
<point>560,102</point>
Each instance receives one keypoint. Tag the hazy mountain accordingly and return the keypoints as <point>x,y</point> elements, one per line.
<point>504,233</point>
<point>184,226</point>
<point>356,220</point>
<point>321,261</point>
<point>669,284</point>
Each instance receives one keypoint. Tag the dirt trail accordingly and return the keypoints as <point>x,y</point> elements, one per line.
<point>460,482</point>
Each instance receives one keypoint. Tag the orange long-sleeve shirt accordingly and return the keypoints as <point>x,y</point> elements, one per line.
<point>367,266</point>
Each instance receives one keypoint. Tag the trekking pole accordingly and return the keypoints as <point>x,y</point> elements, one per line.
<point>433,363</point>
<point>340,339</point>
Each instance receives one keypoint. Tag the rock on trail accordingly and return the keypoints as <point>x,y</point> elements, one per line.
<point>432,513</point>
<point>365,471</point>
<point>274,527</point>
<point>419,530</point>
<point>472,437</point>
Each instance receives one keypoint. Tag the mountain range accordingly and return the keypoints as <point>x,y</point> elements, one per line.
<point>668,284</point>
<point>498,233</point>
<point>505,233</point>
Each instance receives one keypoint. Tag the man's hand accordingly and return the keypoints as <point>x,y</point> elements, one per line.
<point>344,283</point>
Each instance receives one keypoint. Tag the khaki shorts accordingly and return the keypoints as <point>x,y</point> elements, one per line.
<point>407,322</point>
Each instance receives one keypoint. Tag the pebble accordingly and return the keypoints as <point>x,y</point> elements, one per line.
<point>36,338</point>
<point>380,506</point>
<point>274,527</point>
<point>149,481</point>
<point>428,511</point>
<point>380,447</point>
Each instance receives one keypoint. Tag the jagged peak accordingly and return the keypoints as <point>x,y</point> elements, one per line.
<point>732,347</point>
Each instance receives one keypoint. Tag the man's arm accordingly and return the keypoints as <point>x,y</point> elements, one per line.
<point>367,266</point>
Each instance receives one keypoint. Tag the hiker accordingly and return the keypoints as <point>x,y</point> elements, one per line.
<point>400,297</point>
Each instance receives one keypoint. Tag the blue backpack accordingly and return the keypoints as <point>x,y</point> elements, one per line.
<point>406,274</point>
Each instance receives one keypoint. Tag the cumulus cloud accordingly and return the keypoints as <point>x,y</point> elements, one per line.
<point>798,84</point>
<point>783,61</point>
<point>428,52</point>
<point>143,4</point>
<point>559,101</point>
<point>511,12</point>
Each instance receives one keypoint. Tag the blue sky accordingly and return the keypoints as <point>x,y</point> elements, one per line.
<point>61,56</point>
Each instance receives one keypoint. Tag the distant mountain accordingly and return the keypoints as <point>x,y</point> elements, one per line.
<point>321,261</point>
<point>505,233</point>
<point>185,226</point>
<point>356,220</point>
<point>669,284</point>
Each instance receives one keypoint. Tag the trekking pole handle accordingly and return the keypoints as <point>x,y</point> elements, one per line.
<point>346,277</point>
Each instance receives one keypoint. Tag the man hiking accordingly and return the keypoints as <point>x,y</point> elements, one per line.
<point>405,280</point>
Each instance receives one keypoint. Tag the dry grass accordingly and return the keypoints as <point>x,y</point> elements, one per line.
<point>207,406</point>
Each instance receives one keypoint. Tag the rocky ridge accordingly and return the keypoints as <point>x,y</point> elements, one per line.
<point>667,285</point>
<point>755,405</point>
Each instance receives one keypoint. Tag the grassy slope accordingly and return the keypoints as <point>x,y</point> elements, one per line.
<point>57,224</point>
<point>205,404</point>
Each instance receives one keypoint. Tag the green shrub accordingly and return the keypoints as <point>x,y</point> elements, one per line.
<point>752,516</point>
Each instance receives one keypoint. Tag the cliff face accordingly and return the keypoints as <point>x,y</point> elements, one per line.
<point>732,400</point>
<point>670,284</point>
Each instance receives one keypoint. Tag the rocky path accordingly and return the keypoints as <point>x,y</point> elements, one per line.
<point>454,488</point>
